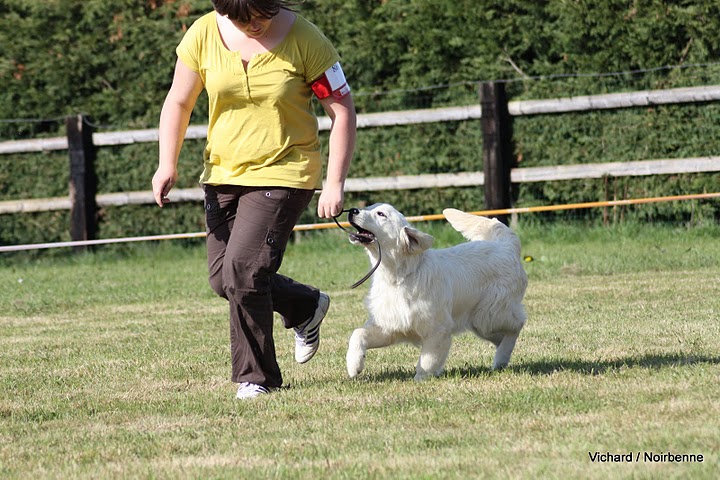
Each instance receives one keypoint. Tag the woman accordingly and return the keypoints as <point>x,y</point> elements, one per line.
<point>260,63</point>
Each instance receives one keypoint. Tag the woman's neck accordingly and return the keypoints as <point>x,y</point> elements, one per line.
<point>235,39</point>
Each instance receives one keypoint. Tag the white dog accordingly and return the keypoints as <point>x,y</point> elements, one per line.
<point>425,296</point>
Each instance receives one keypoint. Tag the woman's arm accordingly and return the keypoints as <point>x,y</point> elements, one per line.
<point>342,145</point>
<point>174,120</point>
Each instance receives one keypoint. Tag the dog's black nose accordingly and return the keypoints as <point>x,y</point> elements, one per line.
<point>353,211</point>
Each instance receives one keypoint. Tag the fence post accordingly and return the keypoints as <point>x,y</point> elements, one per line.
<point>83,182</point>
<point>497,147</point>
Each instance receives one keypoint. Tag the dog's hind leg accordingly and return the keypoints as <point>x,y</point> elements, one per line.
<point>504,350</point>
<point>433,355</point>
<point>363,338</point>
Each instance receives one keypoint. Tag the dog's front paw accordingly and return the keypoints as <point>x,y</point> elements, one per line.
<point>355,363</point>
<point>355,357</point>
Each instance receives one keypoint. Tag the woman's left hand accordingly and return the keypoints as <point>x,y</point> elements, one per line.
<point>330,203</point>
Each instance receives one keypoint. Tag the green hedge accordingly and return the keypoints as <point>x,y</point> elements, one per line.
<point>114,62</point>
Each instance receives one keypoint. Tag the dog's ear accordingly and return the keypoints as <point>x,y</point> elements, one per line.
<point>416,241</point>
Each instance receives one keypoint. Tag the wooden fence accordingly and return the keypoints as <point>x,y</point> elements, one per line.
<point>494,112</point>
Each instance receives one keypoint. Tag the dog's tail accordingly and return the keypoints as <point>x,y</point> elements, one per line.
<point>474,227</point>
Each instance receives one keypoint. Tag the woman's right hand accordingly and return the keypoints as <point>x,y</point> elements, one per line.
<point>162,182</point>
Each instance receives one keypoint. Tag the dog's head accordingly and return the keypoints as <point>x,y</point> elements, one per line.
<point>383,224</point>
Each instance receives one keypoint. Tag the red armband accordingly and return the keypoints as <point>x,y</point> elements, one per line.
<point>332,82</point>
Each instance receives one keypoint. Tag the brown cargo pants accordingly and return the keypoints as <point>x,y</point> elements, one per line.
<point>247,231</point>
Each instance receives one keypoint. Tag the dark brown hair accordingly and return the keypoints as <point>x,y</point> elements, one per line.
<point>244,10</point>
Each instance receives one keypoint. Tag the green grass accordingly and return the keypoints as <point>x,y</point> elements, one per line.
<point>116,365</point>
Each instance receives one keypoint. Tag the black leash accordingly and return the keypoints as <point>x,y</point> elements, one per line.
<point>369,274</point>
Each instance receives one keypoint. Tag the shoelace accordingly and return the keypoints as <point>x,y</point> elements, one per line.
<point>372,270</point>
<point>306,338</point>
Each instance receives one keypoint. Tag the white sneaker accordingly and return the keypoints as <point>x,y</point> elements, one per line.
<point>307,335</point>
<point>248,390</point>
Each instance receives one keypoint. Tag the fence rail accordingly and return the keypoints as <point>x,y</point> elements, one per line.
<point>409,117</point>
<point>407,182</point>
<point>497,175</point>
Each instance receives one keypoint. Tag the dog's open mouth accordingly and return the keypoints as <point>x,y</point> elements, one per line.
<point>362,235</point>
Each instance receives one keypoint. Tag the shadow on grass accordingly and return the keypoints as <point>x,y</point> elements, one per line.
<point>549,367</point>
<point>589,367</point>
<point>388,375</point>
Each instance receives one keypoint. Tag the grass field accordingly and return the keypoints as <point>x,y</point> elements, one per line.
<point>116,365</point>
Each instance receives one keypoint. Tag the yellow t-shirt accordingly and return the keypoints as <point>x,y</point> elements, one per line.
<point>261,130</point>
